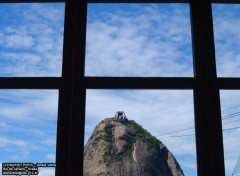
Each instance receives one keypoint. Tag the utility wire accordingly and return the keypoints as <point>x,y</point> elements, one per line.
<point>191,128</point>
<point>231,115</point>
<point>192,134</point>
<point>232,107</point>
<point>232,121</point>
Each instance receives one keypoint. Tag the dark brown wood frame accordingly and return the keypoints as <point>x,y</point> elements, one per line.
<point>73,84</point>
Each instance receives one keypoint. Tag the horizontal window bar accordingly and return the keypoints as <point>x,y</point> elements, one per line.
<point>226,1</point>
<point>30,83</point>
<point>115,82</point>
<point>138,1</point>
<point>229,83</point>
<point>138,83</point>
<point>29,1</point>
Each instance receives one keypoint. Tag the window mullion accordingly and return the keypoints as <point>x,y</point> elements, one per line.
<point>206,93</point>
<point>70,139</point>
<point>79,90</point>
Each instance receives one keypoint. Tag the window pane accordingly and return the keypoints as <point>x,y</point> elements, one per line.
<point>138,40</point>
<point>28,124</point>
<point>227,39</point>
<point>31,39</point>
<point>170,120</point>
<point>231,130</point>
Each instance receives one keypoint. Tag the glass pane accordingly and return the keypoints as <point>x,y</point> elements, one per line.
<point>113,143</point>
<point>227,39</point>
<point>31,39</point>
<point>138,40</point>
<point>28,125</point>
<point>231,130</point>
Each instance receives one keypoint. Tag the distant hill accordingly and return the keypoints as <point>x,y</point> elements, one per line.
<point>124,148</point>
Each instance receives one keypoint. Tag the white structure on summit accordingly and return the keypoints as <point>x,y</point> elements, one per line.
<point>120,116</point>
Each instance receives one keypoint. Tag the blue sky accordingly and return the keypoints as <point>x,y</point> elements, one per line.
<point>31,39</point>
<point>227,35</point>
<point>122,40</point>
<point>138,40</point>
<point>158,111</point>
<point>231,126</point>
<point>28,126</point>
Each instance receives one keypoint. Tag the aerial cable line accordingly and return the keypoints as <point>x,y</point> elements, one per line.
<point>231,128</point>
<point>231,115</point>
<point>190,129</point>
<point>231,158</point>
<point>184,129</point>
<point>178,132</point>
<point>232,121</point>
<point>184,135</point>
<point>232,107</point>
<point>191,134</point>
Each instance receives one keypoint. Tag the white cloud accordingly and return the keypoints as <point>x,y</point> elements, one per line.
<point>21,41</point>
<point>44,44</point>
<point>1,38</point>
<point>8,141</point>
<point>46,172</point>
<point>4,126</point>
<point>190,165</point>
<point>181,145</point>
<point>144,42</point>
<point>43,13</point>
<point>50,142</point>
<point>28,58</point>
<point>28,124</point>
<point>22,155</point>
<point>14,157</point>
<point>23,105</point>
<point>38,34</point>
<point>227,35</point>
<point>11,127</point>
<point>137,104</point>
<point>51,157</point>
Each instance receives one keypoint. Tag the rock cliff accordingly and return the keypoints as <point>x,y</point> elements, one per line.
<point>124,148</point>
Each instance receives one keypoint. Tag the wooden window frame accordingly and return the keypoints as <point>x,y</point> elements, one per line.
<point>72,86</point>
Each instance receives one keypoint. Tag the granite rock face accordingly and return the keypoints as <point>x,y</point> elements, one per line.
<point>124,148</point>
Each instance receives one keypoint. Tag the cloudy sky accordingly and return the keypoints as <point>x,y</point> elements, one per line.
<point>31,39</point>
<point>122,40</point>
<point>138,40</point>
<point>227,39</point>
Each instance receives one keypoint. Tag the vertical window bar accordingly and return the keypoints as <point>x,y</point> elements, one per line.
<point>72,93</point>
<point>206,93</point>
<point>77,131</point>
<point>65,98</point>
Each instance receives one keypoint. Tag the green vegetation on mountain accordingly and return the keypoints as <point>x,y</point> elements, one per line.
<point>140,134</point>
<point>123,148</point>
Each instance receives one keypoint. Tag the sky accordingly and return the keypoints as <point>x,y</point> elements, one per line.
<point>28,122</point>
<point>227,35</point>
<point>138,40</point>
<point>160,112</point>
<point>142,40</point>
<point>31,39</point>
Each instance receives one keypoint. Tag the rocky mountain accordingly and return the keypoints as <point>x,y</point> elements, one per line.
<point>124,148</point>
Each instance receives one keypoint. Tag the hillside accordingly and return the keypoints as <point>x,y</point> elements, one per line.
<point>124,148</point>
